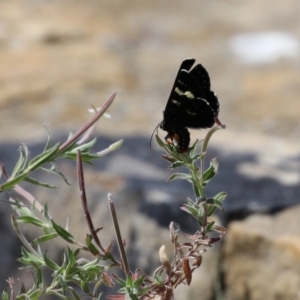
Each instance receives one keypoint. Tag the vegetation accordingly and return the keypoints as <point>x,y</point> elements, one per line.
<point>77,277</point>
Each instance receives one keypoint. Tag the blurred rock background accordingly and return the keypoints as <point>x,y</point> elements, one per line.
<point>59,57</point>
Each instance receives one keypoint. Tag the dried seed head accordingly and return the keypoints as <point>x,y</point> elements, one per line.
<point>164,259</point>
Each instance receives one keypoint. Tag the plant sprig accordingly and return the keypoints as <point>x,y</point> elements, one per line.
<point>89,275</point>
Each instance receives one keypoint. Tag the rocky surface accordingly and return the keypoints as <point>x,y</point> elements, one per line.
<point>264,250</point>
<point>59,57</point>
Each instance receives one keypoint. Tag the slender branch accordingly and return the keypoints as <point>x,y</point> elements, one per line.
<point>87,125</point>
<point>118,235</point>
<point>84,201</point>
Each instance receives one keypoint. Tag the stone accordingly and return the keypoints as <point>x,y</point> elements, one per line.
<point>261,257</point>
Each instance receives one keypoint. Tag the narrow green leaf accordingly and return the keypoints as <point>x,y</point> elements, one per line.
<point>90,245</point>
<point>84,147</point>
<point>44,238</point>
<point>55,172</point>
<point>21,210</point>
<point>35,294</point>
<point>121,282</point>
<point>85,287</point>
<point>71,256</point>
<point>181,176</point>
<point>44,157</point>
<point>62,232</point>
<point>36,182</point>
<point>211,171</point>
<point>133,296</point>
<point>32,220</point>
<point>129,281</point>
<point>47,146</point>
<point>39,278</point>
<point>139,281</point>
<point>220,196</point>
<point>50,263</point>
<point>168,158</point>
<point>30,259</point>
<point>46,214</point>
<point>211,210</point>
<point>209,226</point>
<point>191,210</point>
<point>63,284</point>
<point>86,157</point>
<point>8,185</point>
<point>196,157</point>
<point>4,295</point>
<point>194,149</point>
<point>21,163</point>
<point>122,290</point>
<point>177,164</point>
<point>116,145</point>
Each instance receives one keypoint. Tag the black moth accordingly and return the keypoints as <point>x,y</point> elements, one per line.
<point>191,104</point>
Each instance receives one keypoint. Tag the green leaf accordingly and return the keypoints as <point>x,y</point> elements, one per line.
<point>62,281</point>
<point>39,278</point>
<point>36,182</point>
<point>211,171</point>
<point>53,170</point>
<point>121,282</point>
<point>12,182</point>
<point>209,226</point>
<point>139,281</point>
<point>116,145</point>
<point>122,290</point>
<point>21,209</point>
<point>133,296</point>
<point>47,146</point>
<point>46,214</point>
<point>191,209</point>
<point>193,149</point>
<point>168,158</point>
<point>4,295</point>
<point>196,156</point>
<point>32,220</point>
<point>220,197</point>
<point>83,148</point>
<point>62,232</point>
<point>181,176</point>
<point>216,202</point>
<point>44,238</point>
<point>90,245</point>
<point>177,164</point>
<point>129,281</point>
<point>35,294</point>
<point>86,157</point>
<point>22,161</point>
<point>85,287</point>
<point>71,256</point>
<point>50,263</point>
<point>44,157</point>
<point>30,259</point>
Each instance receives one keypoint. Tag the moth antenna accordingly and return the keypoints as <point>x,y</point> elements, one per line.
<point>155,129</point>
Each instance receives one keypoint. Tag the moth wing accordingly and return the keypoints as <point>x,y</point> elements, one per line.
<point>185,89</point>
<point>201,76</point>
